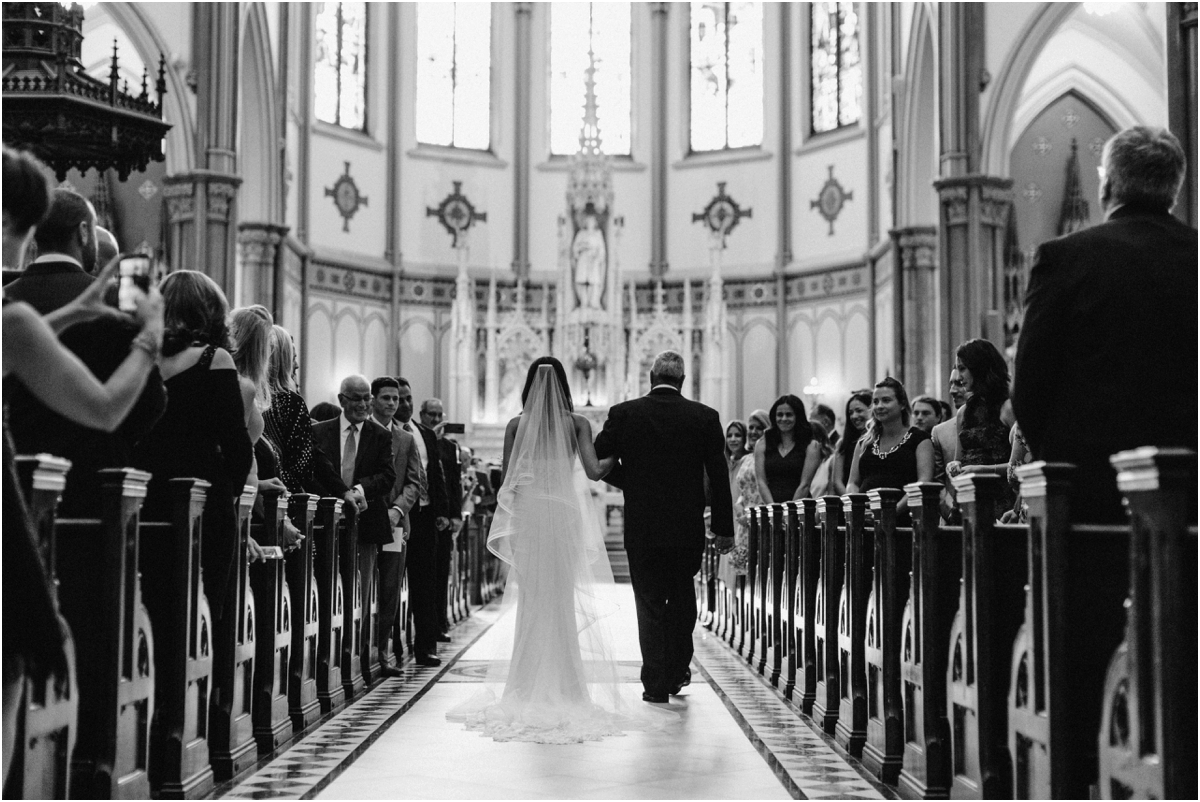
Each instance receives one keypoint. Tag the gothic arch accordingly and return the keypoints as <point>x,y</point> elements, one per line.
<point>181,152</point>
<point>258,124</point>
<point>918,169</point>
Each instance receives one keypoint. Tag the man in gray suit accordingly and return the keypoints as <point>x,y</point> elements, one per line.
<point>410,484</point>
<point>945,451</point>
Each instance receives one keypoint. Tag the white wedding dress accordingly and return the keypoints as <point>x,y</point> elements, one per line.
<point>561,677</point>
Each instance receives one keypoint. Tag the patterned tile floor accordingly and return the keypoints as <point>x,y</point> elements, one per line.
<point>739,739</point>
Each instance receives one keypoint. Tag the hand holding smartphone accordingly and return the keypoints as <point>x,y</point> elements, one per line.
<point>133,281</point>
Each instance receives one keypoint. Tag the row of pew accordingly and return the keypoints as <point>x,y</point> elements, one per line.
<point>161,699</point>
<point>1047,660</point>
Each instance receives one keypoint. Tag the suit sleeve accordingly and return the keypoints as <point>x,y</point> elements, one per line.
<point>382,472</point>
<point>438,502</point>
<point>714,467</point>
<point>453,476</point>
<point>1038,348</point>
<point>407,489</point>
<point>606,446</point>
<point>325,479</point>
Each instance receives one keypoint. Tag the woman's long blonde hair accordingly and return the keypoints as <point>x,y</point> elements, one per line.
<point>280,373</point>
<point>251,334</point>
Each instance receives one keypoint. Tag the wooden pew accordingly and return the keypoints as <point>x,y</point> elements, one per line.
<point>231,744</point>
<point>1074,621</point>
<point>352,610</point>
<point>776,650</point>
<point>371,654</point>
<point>991,608</point>
<point>47,723</point>
<point>933,598</point>
<point>461,576</point>
<point>330,604</point>
<point>273,631</point>
<point>304,707</point>
<point>858,562</point>
<point>804,620</point>
<point>1147,737</point>
<point>101,596</point>
<point>748,631</point>
<point>788,610</point>
<point>829,589</point>
<point>883,752</point>
<point>169,559</point>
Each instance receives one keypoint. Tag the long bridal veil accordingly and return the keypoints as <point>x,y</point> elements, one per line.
<point>560,673</point>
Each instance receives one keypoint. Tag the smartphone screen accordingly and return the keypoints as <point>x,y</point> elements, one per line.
<point>134,281</point>
<point>454,428</point>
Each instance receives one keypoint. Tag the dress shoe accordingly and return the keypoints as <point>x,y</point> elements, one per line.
<point>428,660</point>
<point>655,698</point>
<point>686,680</point>
<point>444,637</point>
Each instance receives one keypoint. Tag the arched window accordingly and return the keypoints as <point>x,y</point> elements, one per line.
<point>340,72</point>
<point>454,74</point>
<point>604,29</point>
<point>726,76</point>
<point>837,78</point>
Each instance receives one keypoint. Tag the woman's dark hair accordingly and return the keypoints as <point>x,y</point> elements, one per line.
<point>558,371</point>
<point>850,435</point>
<point>893,384</point>
<point>802,433</point>
<point>989,374</point>
<point>325,411</point>
<point>947,410</point>
<point>26,190</point>
<point>194,312</point>
<point>741,427</point>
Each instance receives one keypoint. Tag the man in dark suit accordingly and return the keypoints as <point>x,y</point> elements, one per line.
<point>665,446</point>
<point>1110,316</point>
<point>358,451</point>
<point>433,418</point>
<point>66,240</point>
<point>427,520</point>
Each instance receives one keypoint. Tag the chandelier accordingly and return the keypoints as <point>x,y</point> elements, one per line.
<point>64,116</point>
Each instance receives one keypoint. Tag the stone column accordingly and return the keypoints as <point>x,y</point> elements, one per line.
<point>523,49</point>
<point>1181,97</point>
<point>783,252</point>
<point>914,291</point>
<point>658,152</point>
<point>202,204</point>
<point>974,212</point>
<point>259,244</point>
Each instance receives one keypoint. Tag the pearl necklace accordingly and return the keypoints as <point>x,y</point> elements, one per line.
<point>885,454</point>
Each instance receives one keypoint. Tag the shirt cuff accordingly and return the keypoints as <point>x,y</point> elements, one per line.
<point>358,489</point>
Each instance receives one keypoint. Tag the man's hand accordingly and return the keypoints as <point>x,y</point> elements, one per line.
<point>273,483</point>
<point>291,536</point>
<point>441,523</point>
<point>356,500</point>
<point>254,551</point>
<point>395,516</point>
<point>723,545</point>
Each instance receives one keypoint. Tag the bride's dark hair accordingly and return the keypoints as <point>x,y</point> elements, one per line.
<point>558,371</point>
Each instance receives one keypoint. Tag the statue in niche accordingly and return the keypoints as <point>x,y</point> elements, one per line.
<point>589,257</point>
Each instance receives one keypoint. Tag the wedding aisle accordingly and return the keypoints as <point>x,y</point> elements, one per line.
<point>736,739</point>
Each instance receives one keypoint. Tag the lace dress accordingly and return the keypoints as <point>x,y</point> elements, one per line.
<point>746,496</point>
<point>983,439</point>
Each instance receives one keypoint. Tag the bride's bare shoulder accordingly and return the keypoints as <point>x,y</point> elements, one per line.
<point>512,425</point>
<point>582,424</point>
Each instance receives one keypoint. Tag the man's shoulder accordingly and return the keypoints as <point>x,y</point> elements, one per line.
<point>322,427</point>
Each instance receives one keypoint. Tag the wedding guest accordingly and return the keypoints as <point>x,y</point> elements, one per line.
<point>203,432</point>
<point>433,418</point>
<point>947,410</point>
<point>821,479</point>
<point>786,457</point>
<point>286,420</point>
<point>735,446</point>
<point>858,410</point>
<point>926,413</point>
<point>894,453</point>
<point>746,493</point>
<point>324,411</point>
<point>944,438</point>
<point>66,242</point>
<point>983,444</point>
<point>824,415</point>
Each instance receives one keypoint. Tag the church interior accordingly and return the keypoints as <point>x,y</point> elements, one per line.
<point>800,198</point>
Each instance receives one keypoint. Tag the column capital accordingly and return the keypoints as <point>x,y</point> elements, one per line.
<point>917,246</point>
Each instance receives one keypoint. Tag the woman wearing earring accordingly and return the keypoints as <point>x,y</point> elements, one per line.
<point>894,453</point>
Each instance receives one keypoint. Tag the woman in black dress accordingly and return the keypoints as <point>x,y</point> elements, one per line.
<point>858,412</point>
<point>786,457</point>
<point>893,453</point>
<point>984,445</point>
<point>203,432</point>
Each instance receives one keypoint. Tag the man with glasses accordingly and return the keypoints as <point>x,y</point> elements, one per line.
<point>358,460</point>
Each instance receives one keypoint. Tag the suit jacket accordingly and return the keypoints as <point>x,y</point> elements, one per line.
<point>373,469</point>
<point>407,461</point>
<point>452,472</point>
<point>945,450</point>
<point>1106,359</point>
<point>665,445</point>
<point>47,286</point>
<point>439,504</point>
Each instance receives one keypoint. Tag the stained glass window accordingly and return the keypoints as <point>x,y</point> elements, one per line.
<point>340,72</point>
<point>604,29</point>
<point>454,74</point>
<point>726,75</point>
<point>837,77</point>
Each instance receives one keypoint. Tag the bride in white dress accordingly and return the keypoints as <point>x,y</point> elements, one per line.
<point>562,683</point>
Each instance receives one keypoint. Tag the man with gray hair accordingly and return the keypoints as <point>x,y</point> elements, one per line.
<point>666,446</point>
<point>1111,311</point>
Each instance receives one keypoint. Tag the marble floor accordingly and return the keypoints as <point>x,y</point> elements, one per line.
<point>736,738</point>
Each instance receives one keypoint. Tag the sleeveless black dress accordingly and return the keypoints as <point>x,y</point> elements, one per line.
<point>896,468</point>
<point>202,434</point>
<point>784,472</point>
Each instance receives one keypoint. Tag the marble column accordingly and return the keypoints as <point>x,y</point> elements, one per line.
<point>659,14</point>
<point>523,53</point>
<point>1181,97</point>
<point>202,204</point>
<point>915,297</point>
<point>259,244</point>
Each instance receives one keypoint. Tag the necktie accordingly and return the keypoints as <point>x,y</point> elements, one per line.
<point>423,477</point>
<point>348,454</point>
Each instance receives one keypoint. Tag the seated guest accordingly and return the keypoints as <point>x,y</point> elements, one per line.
<point>66,240</point>
<point>824,415</point>
<point>203,433</point>
<point>56,378</point>
<point>983,429</point>
<point>287,422</point>
<point>102,343</point>
<point>324,411</point>
<point>858,411</point>
<point>786,457</point>
<point>926,413</point>
<point>893,453</point>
